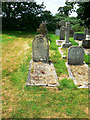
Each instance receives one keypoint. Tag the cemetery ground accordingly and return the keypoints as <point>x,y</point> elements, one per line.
<point>19,101</point>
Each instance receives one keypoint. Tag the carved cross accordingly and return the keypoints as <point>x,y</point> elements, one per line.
<point>67,29</point>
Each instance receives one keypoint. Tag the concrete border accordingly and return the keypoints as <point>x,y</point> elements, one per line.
<point>72,77</point>
<point>49,85</point>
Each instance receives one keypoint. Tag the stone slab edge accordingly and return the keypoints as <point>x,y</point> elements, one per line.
<point>72,77</point>
<point>49,85</point>
<point>63,56</point>
<point>59,43</point>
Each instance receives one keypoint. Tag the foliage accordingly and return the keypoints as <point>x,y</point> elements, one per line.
<point>66,9</point>
<point>25,16</point>
<point>83,12</point>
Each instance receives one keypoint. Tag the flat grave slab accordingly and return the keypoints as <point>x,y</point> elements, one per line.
<point>80,74</point>
<point>42,73</point>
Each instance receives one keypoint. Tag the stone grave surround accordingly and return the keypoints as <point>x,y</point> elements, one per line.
<point>62,30</point>
<point>40,47</point>
<point>75,55</point>
<point>67,44</point>
<point>79,36</point>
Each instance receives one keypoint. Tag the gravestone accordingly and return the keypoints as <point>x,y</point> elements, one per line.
<point>41,70</point>
<point>40,45</point>
<point>57,32</point>
<point>75,55</point>
<point>62,30</point>
<point>67,44</point>
<point>79,36</point>
<point>40,48</point>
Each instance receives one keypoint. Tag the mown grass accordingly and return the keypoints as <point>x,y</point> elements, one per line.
<point>87,59</point>
<point>19,101</point>
<point>71,39</point>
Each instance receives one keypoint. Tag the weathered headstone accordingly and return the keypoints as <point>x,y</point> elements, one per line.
<point>40,48</point>
<point>75,55</point>
<point>79,36</point>
<point>57,32</point>
<point>67,44</point>
<point>62,30</point>
<point>41,70</point>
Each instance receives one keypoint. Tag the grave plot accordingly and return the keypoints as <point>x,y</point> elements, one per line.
<point>78,72</point>
<point>42,74</point>
<point>41,70</point>
<point>77,69</point>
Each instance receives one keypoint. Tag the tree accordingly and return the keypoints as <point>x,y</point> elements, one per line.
<point>66,9</point>
<point>84,12</point>
<point>21,15</point>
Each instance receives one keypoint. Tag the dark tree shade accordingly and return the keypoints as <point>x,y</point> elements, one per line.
<point>84,12</point>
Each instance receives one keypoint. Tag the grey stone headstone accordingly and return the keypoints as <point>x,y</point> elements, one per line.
<point>57,32</point>
<point>66,44</point>
<point>62,30</point>
<point>40,48</point>
<point>79,36</point>
<point>75,55</point>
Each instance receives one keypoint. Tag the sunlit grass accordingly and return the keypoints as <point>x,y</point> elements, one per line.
<point>19,101</point>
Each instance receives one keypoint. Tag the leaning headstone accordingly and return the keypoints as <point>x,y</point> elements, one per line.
<point>79,36</point>
<point>75,55</point>
<point>41,70</point>
<point>62,30</point>
<point>67,44</point>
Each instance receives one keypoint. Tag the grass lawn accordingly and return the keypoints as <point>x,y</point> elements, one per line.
<point>19,101</point>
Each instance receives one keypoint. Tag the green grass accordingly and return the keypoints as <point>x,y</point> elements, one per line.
<point>71,39</point>
<point>55,57</point>
<point>87,59</point>
<point>19,101</point>
<point>79,32</point>
<point>67,83</point>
